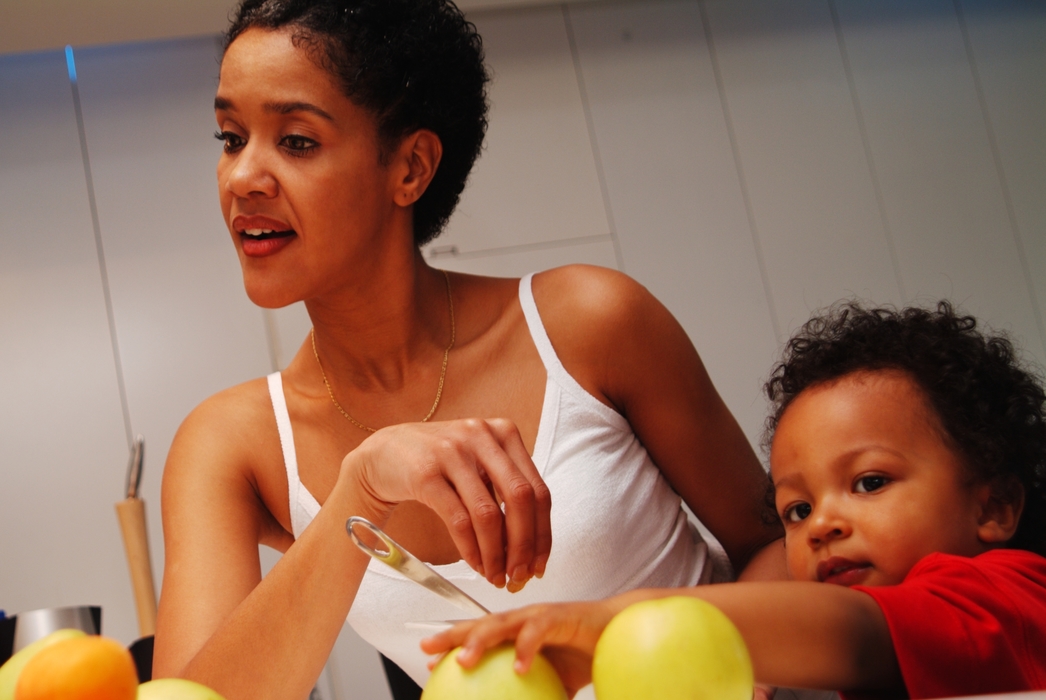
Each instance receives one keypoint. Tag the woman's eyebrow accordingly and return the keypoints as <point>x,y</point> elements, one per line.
<point>288,107</point>
<point>221,103</point>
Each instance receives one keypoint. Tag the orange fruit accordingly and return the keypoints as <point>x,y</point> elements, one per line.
<point>83,668</point>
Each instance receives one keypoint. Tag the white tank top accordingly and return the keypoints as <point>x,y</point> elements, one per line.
<point>617,525</point>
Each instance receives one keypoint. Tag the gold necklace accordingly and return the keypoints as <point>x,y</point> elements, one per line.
<point>442,372</point>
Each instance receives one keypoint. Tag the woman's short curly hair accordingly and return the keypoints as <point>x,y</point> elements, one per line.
<point>414,64</point>
<point>989,404</point>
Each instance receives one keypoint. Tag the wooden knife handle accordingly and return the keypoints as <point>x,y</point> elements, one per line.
<point>131,513</point>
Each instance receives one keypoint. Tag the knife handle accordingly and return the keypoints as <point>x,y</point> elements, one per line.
<point>131,513</point>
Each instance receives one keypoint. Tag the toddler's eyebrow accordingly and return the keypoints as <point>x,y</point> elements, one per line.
<point>787,480</point>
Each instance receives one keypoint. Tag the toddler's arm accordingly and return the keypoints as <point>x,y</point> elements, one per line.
<point>799,634</point>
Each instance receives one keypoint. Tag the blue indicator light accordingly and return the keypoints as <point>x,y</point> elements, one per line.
<point>70,63</point>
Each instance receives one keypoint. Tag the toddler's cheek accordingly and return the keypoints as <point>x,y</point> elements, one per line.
<point>800,567</point>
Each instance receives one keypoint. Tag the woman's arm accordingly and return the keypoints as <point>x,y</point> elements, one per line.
<point>625,348</point>
<point>799,634</point>
<point>221,624</point>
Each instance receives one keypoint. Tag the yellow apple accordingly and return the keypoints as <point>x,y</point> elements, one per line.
<point>677,648</point>
<point>175,689</point>
<point>493,677</point>
<point>12,669</point>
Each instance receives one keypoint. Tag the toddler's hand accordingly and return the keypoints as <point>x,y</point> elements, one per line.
<point>566,633</point>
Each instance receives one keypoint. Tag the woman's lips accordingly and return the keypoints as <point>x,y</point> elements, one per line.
<point>263,244</point>
<point>260,235</point>
<point>842,572</point>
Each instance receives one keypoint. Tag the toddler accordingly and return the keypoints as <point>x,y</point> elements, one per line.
<point>908,465</point>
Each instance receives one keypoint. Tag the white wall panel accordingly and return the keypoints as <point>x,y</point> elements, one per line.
<point>519,262</point>
<point>536,180</point>
<point>673,186</point>
<point>1008,41</point>
<point>801,152</point>
<point>943,197</point>
<point>291,326</point>
<point>63,446</point>
<point>185,327</point>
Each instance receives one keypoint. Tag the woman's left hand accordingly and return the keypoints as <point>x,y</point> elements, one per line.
<point>461,469</point>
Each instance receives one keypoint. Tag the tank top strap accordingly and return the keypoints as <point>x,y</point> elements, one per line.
<point>553,366</point>
<point>537,329</point>
<point>296,492</point>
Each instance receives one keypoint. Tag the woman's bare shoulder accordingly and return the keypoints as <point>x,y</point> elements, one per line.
<point>228,449</point>
<point>595,317</point>
<point>596,291</point>
<point>577,294</point>
<point>236,413</point>
<point>228,431</point>
<point>588,305</point>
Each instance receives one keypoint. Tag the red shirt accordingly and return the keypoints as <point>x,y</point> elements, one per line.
<point>969,625</point>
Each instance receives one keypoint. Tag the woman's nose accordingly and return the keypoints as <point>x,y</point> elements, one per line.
<point>248,173</point>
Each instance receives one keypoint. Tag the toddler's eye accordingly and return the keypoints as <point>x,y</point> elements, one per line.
<point>233,142</point>
<point>868,484</point>
<point>800,511</point>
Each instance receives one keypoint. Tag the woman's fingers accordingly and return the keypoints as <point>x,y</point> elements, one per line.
<point>483,456</point>
<point>460,469</point>
<point>447,503</point>
<point>515,530</point>
<point>474,462</point>
<point>528,508</point>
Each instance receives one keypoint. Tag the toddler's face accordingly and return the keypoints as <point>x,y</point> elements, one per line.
<point>866,484</point>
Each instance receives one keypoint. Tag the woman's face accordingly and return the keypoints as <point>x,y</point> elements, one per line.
<point>301,183</point>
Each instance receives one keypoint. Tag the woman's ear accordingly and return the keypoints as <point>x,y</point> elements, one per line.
<point>1001,507</point>
<point>414,165</point>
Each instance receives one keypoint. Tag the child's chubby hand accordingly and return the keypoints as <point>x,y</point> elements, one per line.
<point>566,633</point>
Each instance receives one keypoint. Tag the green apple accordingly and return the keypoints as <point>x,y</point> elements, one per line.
<point>493,677</point>
<point>12,669</point>
<point>672,649</point>
<point>175,689</point>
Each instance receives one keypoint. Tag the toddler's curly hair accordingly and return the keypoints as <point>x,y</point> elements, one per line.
<point>989,403</point>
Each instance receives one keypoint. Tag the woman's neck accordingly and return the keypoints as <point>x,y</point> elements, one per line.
<point>372,331</point>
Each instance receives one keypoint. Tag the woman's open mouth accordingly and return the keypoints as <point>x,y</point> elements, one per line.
<point>260,242</point>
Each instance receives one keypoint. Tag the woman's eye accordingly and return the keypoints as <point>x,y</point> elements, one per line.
<point>233,142</point>
<point>800,511</point>
<point>298,145</point>
<point>868,484</point>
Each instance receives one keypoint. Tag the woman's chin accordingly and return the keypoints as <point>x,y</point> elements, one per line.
<point>268,295</point>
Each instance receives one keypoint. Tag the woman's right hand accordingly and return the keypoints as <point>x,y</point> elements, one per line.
<point>461,469</point>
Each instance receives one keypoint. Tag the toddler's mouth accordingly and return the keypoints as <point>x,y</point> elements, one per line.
<point>842,571</point>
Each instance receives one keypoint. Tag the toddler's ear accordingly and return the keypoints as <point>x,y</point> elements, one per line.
<point>1001,506</point>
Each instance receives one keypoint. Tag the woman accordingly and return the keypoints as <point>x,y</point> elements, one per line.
<point>349,128</point>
